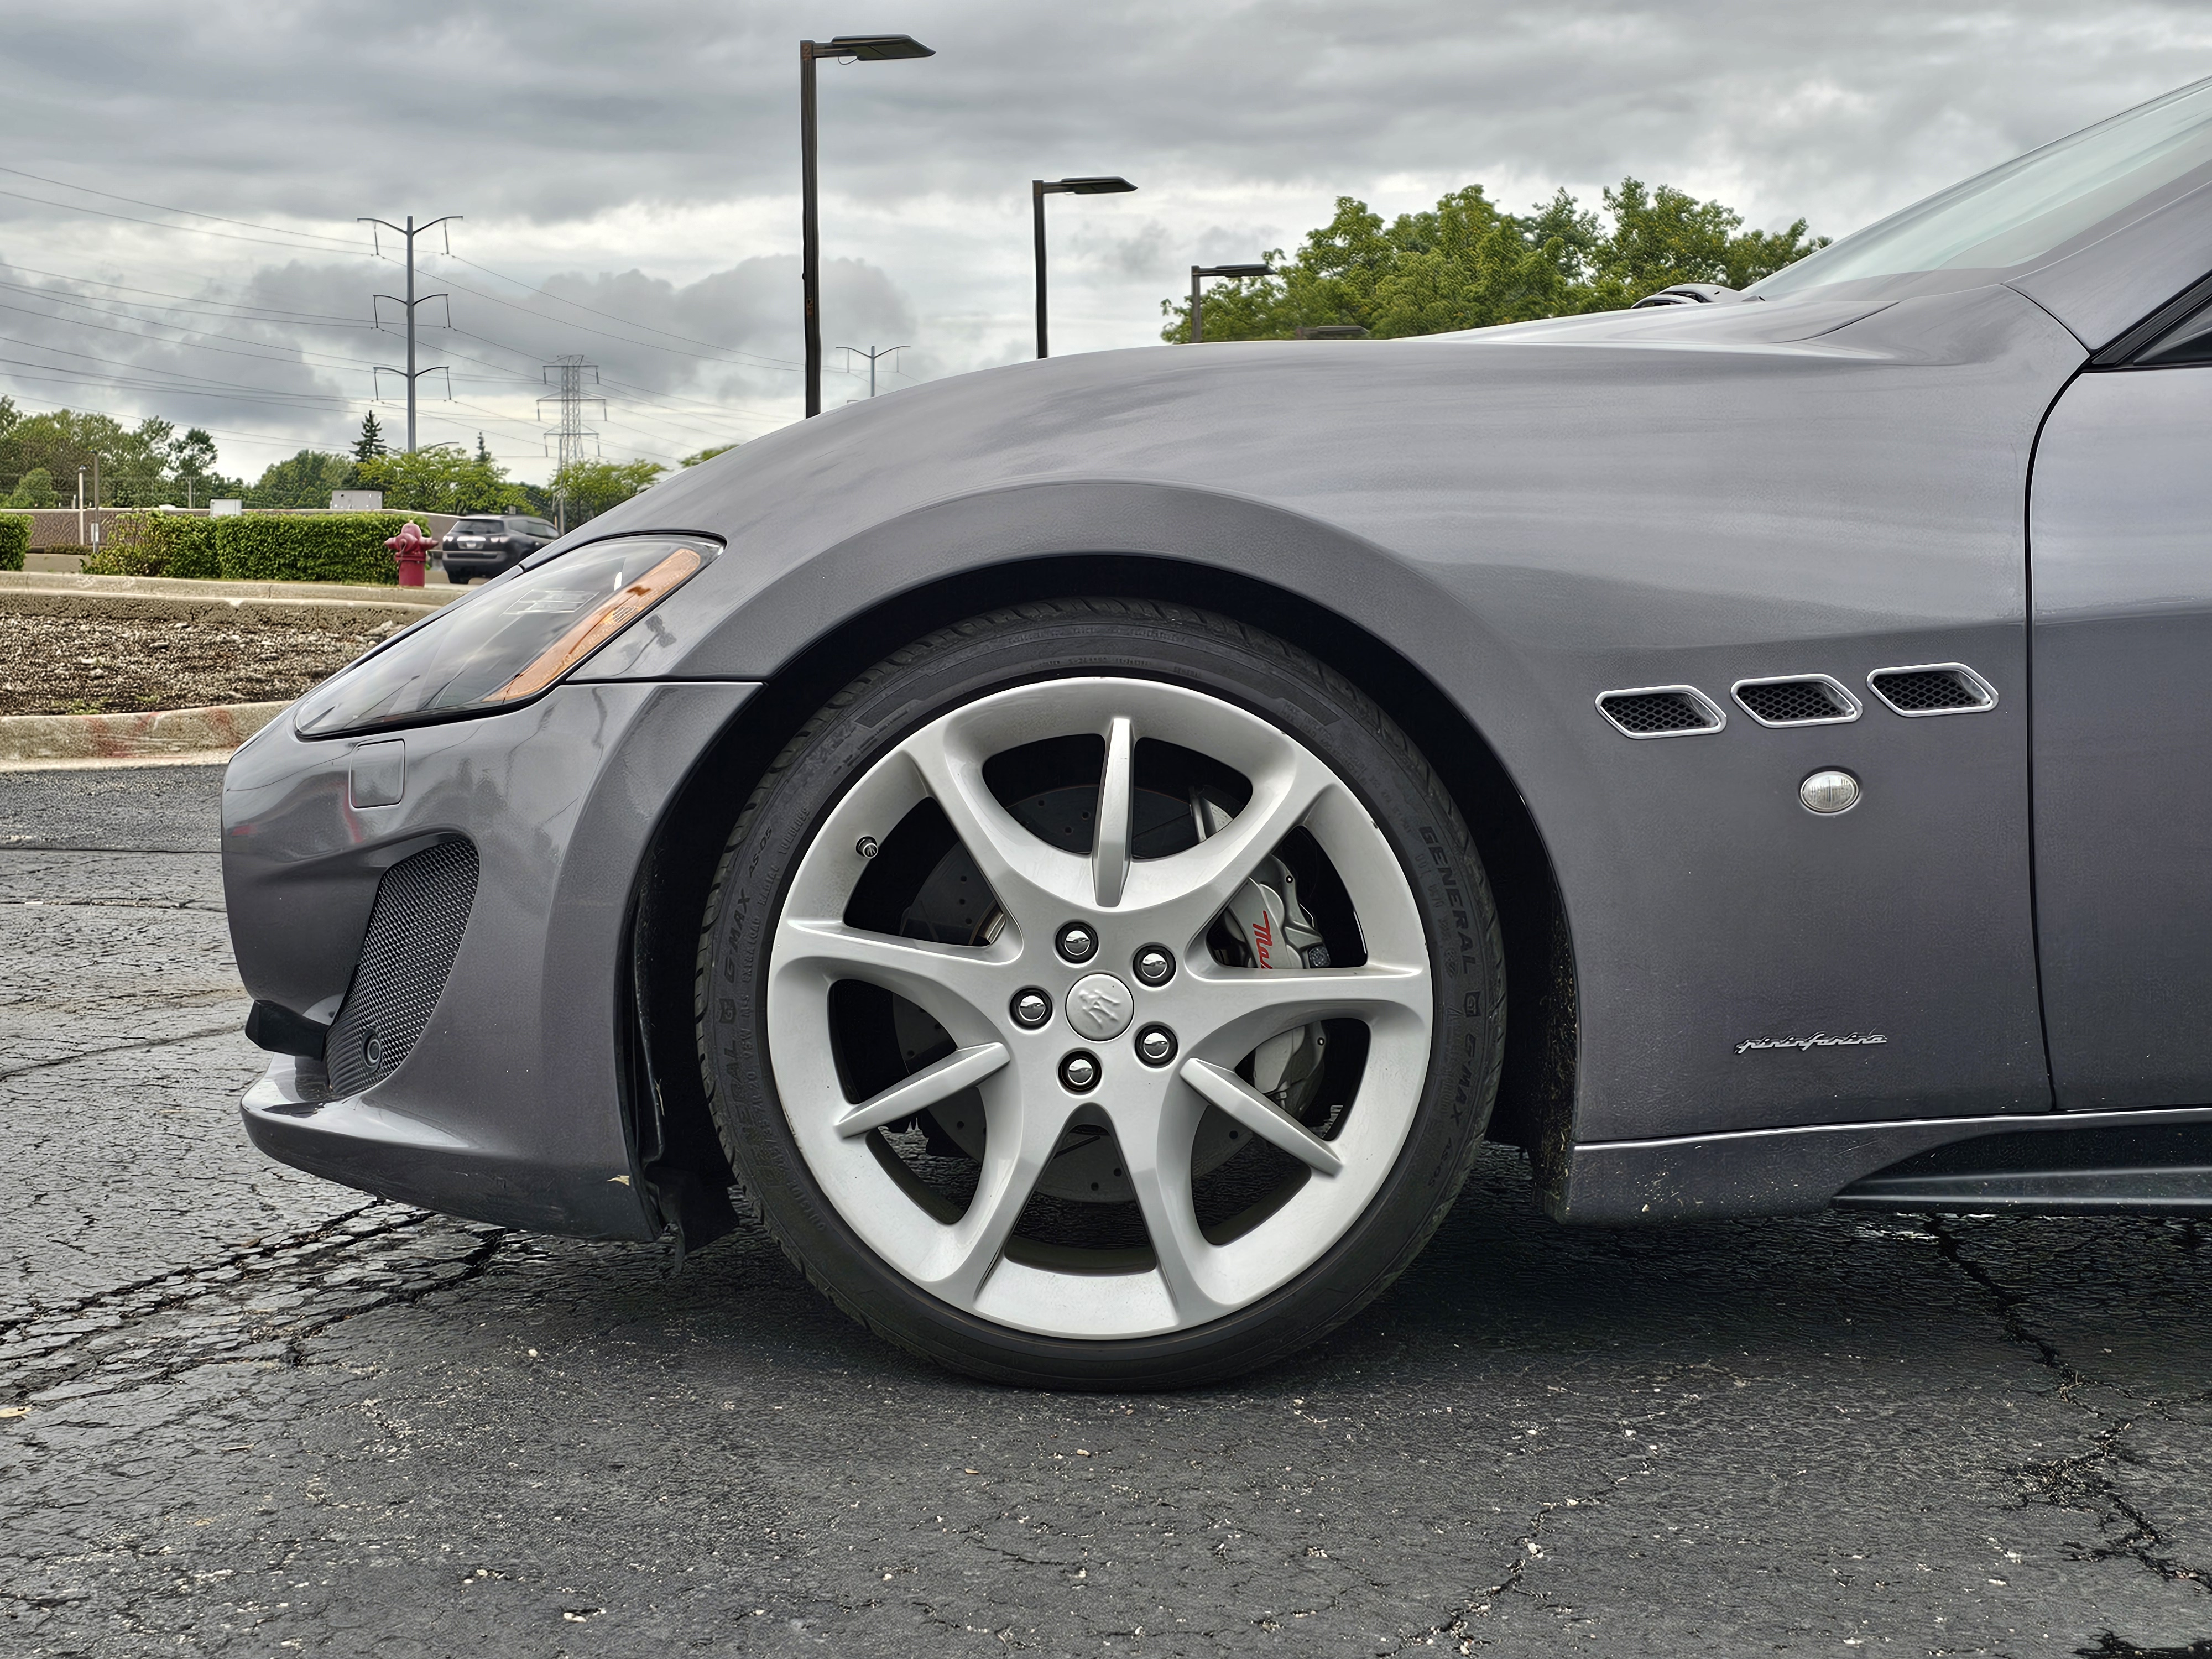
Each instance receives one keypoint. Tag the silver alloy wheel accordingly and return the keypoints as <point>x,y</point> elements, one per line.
<point>1218,1015</point>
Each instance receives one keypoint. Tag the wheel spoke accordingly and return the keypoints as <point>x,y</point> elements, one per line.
<point>1225,1013</point>
<point>1028,876</point>
<point>1261,1115</point>
<point>1156,1150</point>
<point>958,1070</point>
<point>955,984</point>
<point>1109,857</point>
<point>1195,884</point>
<point>978,1240</point>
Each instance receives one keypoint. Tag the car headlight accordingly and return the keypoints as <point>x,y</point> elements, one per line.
<point>505,642</point>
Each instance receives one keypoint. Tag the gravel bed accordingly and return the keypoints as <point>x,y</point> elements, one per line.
<point>62,664</point>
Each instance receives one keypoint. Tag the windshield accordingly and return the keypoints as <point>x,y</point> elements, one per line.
<point>481,527</point>
<point>2021,211</point>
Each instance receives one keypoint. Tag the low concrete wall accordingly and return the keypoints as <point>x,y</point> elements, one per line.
<point>33,741</point>
<point>164,598</point>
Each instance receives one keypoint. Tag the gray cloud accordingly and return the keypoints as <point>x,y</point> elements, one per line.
<point>641,160</point>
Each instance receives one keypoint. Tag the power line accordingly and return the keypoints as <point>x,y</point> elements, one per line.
<point>189,213</point>
<point>620,339</point>
<point>190,301</point>
<point>774,363</point>
<point>663,410</point>
<point>190,230</point>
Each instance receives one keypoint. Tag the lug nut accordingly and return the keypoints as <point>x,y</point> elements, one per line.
<point>1153,965</point>
<point>1078,943</point>
<point>1079,1072</point>
<point>1031,1008</point>
<point>1156,1045</point>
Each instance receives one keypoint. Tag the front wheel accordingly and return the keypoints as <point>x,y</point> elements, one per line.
<point>1100,993</point>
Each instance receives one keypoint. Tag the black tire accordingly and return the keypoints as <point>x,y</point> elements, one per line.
<point>1145,640</point>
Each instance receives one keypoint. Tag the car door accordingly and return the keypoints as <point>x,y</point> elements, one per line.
<point>2120,537</point>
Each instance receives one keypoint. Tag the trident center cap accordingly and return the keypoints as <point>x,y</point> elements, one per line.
<point>1100,1006</point>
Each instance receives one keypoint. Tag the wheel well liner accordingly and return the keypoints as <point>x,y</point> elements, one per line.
<point>1535,1101</point>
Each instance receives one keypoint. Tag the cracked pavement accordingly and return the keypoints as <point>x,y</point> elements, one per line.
<point>245,1411</point>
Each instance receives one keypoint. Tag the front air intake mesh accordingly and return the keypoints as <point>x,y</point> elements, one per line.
<point>414,931</point>
<point>1945,688</point>
<point>1808,700</point>
<point>1661,711</point>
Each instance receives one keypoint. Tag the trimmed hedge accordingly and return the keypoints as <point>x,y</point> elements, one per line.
<point>328,547</point>
<point>325,547</point>
<point>158,545</point>
<point>15,540</point>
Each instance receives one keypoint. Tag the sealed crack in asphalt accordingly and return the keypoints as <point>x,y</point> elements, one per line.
<point>168,1041</point>
<point>1527,1549</point>
<point>108,902</point>
<point>2078,1482</point>
<point>260,1302</point>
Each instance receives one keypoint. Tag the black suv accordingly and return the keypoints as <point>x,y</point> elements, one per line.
<point>480,546</point>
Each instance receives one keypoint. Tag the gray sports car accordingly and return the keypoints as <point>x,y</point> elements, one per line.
<point>1088,850</point>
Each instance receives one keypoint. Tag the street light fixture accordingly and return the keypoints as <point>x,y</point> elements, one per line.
<point>866,49</point>
<point>1198,273</point>
<point>1041,188</point>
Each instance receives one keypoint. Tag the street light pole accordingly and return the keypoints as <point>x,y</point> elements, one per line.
<point>863,48</point>
<point>1041,188</point>
<point>1198,298</point>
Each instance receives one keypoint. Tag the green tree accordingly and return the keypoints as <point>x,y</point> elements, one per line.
<point>1467,263</point>
<point>192,462</point>
<point>441,478</point>
<point>590,488</point>
<point>34,489</point>
<point>306,479</point>
<point>707,454</point>
<point>370,444</point>
<point>123,467</point>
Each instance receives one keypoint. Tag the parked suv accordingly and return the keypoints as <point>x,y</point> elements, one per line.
<point>480,546</point>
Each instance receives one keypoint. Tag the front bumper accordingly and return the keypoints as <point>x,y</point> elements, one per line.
<point>509,1106</point>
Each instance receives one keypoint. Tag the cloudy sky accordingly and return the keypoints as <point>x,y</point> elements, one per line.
<point>180,185</point>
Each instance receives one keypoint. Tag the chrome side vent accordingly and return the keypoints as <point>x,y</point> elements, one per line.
<point>1933,688</point>
<point>1796,700</point>
<point>1661,711</point>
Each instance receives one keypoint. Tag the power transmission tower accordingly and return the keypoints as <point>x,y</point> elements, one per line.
<point>872,354</point>
<point>411,373</point>
<point>569,437</point>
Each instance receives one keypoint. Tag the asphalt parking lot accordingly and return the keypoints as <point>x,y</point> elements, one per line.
<point>243,1410</point>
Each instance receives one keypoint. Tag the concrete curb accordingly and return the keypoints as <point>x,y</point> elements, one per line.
<point>174,737</point>
<point>172,587</point>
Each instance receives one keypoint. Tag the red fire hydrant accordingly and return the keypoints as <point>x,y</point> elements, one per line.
<point>410,548</point>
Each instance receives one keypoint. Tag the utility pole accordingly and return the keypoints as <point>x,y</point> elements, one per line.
<point>80,506</point>
<point>568,437</point>
<point>872,354</point>
<point>411,373</point>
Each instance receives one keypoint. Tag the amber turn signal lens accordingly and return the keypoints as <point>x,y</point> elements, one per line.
<point>599,624</point>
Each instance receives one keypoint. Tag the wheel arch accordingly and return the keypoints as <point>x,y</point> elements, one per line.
<point>1536,1091</point>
